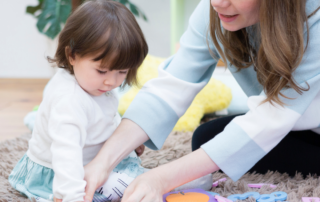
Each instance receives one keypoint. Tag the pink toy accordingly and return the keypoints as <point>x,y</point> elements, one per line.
<point>222,199</point>
<point>216,183</point>
<point>260,185</point>
<point>309,199</point>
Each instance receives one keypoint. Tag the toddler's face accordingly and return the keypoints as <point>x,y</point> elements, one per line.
<point>94,79</point>
<point>237,14</point>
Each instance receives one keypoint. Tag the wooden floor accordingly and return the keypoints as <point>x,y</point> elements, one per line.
<point>17,98</point>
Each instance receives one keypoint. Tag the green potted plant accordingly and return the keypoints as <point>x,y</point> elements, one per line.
<point>52,14</point>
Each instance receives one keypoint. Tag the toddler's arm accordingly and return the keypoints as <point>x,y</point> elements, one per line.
<point>67,128</point>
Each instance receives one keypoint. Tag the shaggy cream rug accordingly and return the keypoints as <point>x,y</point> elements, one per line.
<point>176,146</point>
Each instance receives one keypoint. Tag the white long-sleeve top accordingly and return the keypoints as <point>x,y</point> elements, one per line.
<point>71,127</point>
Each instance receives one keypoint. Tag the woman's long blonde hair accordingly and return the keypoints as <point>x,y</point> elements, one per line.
<point>280,33</point>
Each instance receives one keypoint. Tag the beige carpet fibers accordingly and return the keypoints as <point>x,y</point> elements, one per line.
<point>177,145</point>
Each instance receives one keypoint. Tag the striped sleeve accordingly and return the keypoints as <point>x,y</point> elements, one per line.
<point>250,137</point>
<point>163,100</point>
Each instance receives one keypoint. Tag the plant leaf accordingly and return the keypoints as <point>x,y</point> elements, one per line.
<point>144,17</point>
<point>142,14</point>
<point>134,9</point>
<point>124,2</point>
<point>54,15</point>
<point>32,9</point>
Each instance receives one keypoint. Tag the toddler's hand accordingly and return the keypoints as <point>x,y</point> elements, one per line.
<point>140,150</point>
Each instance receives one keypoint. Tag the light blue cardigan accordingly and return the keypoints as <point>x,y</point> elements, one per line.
<point>248,138</point>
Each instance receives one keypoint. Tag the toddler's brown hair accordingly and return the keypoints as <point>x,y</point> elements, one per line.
<point>107,30</point>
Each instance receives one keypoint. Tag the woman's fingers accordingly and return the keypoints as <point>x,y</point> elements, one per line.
<point>134,196</point>
<point>145,188</point>
<point>152,197</point>
<point>142,195</point>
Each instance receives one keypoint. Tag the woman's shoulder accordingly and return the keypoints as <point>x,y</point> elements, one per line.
<point>313,13</point>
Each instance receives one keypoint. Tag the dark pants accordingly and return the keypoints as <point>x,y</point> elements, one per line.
<point>299,151</point>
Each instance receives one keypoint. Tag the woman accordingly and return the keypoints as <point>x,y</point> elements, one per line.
<point>272,49</point>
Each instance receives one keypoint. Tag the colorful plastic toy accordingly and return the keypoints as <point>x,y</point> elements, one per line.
<point>216,183</point>
<point>279,196</point>
<point>199,195</point>
<point>260,185</point>
<point>310,199</point>
<point>222,199</point>
<point>235,197</point>
<point>213,193</point>
<point>190,195</point>
<point>275,196</point>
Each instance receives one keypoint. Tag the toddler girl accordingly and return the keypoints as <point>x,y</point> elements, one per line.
<point>100,48</point>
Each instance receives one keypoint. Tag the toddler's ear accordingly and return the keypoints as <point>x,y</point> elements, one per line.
<point>69,55</point>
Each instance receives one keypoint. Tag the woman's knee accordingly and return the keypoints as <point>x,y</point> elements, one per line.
<point>201,135</point>
<point>209,130</point>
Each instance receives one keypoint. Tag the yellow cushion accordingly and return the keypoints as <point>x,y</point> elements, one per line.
<point>213,97</point>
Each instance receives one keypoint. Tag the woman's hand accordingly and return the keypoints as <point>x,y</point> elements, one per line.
<point>150,186</point>
<point>147,187</point>
<point>140,150</point>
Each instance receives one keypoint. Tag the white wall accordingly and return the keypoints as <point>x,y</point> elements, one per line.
<point>190,5</point>
<point>157,28</point>
<point>23,49</point>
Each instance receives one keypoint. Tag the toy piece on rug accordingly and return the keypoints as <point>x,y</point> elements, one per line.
<point>244,196</point>
<point>310,199</point>
<point>275,196</point>
<point>190,195</point>
<point>260,185</point>
<point>216,183</point>
<point>215,96</point>
<point>213,193</point>
<point>222,199</point>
